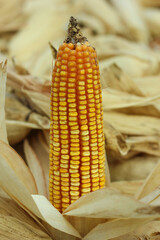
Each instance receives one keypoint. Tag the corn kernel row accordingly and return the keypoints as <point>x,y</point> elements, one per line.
<point>76,135</point>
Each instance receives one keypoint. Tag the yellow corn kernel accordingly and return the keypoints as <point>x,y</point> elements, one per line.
<point>76,130</point>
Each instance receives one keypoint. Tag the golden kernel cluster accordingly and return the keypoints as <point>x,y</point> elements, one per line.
<point>76,137</point>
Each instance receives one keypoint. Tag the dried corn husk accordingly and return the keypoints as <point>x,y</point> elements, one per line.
<point>144,84</point>
<point>135,168</point>
<point>123,94</point>
<point>127,187</point>
<point>152,3</point>
<point>18,130</point>
<point>112,229</point>
<point>132,16</point>
<point>145,125</point>
<point>139,67</point>
<point>41,149</point>
<point>19,78</point>
<point>35,204</point>
<point>15,222</point>
<point>152,16</point>
<point>21,195</point>
<point>19,167</point>
<point>113,77</point>
<point>34,51</point>
<point>111,45</point>
<point>150,184</point>
<point>16,110</point>
<point>11,15</point>
<point>106,13</point>
<point>3,73</point>
<point>148,231</point>
<point>36,168</point>
<point>131,116</point>
<point>90,22</point>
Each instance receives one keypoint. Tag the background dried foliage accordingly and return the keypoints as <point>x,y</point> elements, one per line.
<point>126,35</point>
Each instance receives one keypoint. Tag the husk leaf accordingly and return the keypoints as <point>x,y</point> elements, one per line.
<point>17,190</point>
<point>36,168</point>
<point>3,76</point>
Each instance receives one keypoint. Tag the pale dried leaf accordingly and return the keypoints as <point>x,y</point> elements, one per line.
<point>152,198</point>
<point>149,85</point>
<point>17,190</point>
<point>12,229</point>
<point>111,229</point>
<point>115,141</point>
<point>108,203</point>
<point>148,231</point>
<point>38,101</point>
<point>114,77</point>
<point>53,216</point>
<point>132,168</point>
<point>19,167</point>
<point>122,147</point>
<point>3,76</point>
<point>106,13</point>
<point>152,3</point>
<point>134,124</point>
<point>19,81</point>
<point>133,66</point>
<point>16,110</point>
<point>8,207</point>
<point>11,15</point>
<point>41,149</point>
<point>145,144</point>
<point>94,24</point>
<point>109,46</point>
<point>132,16</point>
<point>127,187</point>
<point>35,167</point>
<point>18,130</point>
<point>33,51</point>
<point>152,16</point>
<point>151,183</point>
<point>116,99</point>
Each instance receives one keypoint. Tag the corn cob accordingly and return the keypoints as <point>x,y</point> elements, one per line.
<point>76,132</point>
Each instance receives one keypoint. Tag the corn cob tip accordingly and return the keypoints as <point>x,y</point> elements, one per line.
<point>74,34</point>
<point>77,156</point>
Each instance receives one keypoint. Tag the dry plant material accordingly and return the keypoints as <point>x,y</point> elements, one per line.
<point>149,231</point>
<point>77,157</point>
<point>41,13</point>
<point>122,93</point>
<point>19,167</point>
<point>132,17</point>
<point>135,77</point>
<point>94,24</point>
<point>145,86</point>
<point>152,16</point>
<point>146,125</point>
<point>12,18</point>
<point>106,13</point>
<point>151,3</point>
<point>41,149</point>
<point>127,187</point>
<point>18,130</point>
<point>15,222</point>
<point>36,168</point>
<point>132,168</point>
<point>21,119</point>
<point>100,204</point>
<point>3,76</point>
